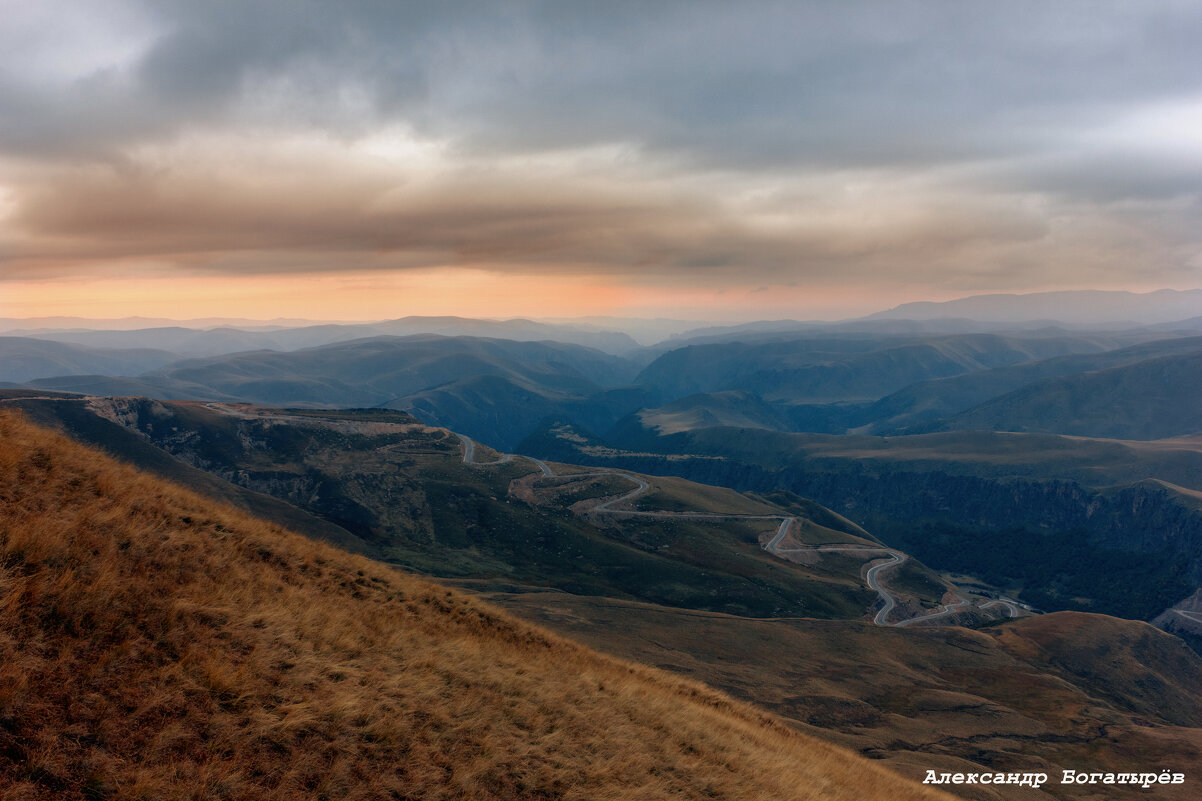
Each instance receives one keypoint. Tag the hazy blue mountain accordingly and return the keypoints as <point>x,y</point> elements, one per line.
<point>216,341</point>
<point>929,405</point>
<point>186,342</point>
<point>502,410</point>
<point>1150,399</point>
<point>780,330</point>
<point>519,330</point>
<point>644,330</point>
<point>614,342</point>
<point>1187,326</point>
<point>493,389</point>
<point>849,369</point>
<point>153,387</point>
<point>34,326</point>
<point>23,359</point>
<point>1080,307</point>
<point>918,406</point>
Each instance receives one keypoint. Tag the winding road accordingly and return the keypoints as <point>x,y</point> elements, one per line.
<point>1012,609</point>
<point>641,486</point>
<point>871,578</point>
<point>469,453</point>
<point>882,615</point>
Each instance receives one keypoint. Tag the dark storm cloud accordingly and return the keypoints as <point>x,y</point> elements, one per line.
<point>729,83</point>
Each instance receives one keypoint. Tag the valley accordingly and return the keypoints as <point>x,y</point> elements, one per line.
<point>441,503</point>
<point>794,550</point>
<point>979,450</point>
<point>1001,506</point>
<point>764,595</point>
<point>159,645</point>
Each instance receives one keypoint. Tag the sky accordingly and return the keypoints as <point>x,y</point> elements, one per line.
<point>371,159</point>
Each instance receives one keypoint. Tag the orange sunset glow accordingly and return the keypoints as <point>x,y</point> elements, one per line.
<point>445,291</point>
<point>353,296</point>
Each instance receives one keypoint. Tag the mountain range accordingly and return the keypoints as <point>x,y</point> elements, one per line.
<point>188,341</point>
<point>968,449</point>
<point>501,390</point>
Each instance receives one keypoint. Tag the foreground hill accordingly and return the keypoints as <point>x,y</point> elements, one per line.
<point>158,646</point>
<point>1048,693</point>
<point>1093,692</point>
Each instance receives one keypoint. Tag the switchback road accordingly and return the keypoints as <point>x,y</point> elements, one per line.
<point>641,486</point>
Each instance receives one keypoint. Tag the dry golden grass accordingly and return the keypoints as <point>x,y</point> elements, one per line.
<point>156,646</point>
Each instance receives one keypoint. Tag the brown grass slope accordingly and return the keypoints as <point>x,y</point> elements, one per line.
<point>1061,691</point>
<point>156,646</point>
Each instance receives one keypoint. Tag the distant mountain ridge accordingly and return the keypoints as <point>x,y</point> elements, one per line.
<point>26,325</point>
<point>492,389</point>
<point>24,359</point>
<point>1078,307</point>
<point>190,341</point>
<point>500,390</point>
<point>821,369</point>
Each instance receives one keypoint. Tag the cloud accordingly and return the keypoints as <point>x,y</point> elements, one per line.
<point>242,206</point>
<point>860,82</point>
<point>989,145</point>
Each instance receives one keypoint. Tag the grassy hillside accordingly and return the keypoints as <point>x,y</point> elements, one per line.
<point>1151,399</point>
<point>919,406</point>
<point>826,370</point>
<point>1044,693</point>
<point>385,485</point>
<point>836,391</point>
<point>730,408</point>
<point>157,646</point>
